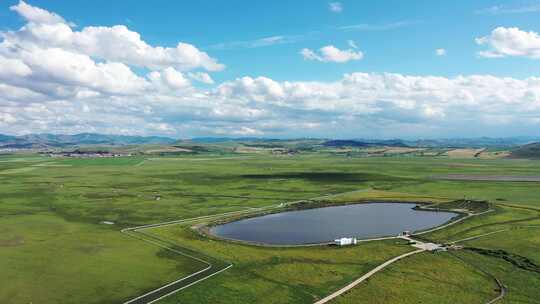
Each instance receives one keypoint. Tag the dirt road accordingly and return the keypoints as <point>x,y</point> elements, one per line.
<point>366,276</point>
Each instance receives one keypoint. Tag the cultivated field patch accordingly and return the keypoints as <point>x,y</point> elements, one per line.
<point>464,153</point>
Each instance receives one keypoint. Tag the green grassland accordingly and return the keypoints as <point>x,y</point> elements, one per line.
<point>46,259</point>
<point>277,275</point>
<point>424,278</point>
<point>55,248</point>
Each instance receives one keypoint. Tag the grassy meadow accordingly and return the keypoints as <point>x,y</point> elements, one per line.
<point>56,247</point>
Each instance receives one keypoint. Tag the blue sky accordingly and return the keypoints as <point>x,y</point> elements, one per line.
<point>409,48</point>
<point>291,79</point>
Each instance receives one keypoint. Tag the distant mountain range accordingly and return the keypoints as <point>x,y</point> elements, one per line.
<point>365,143</point>
<point>362,142</point>
<point>37,141</point>
<point>42,141</point>
<point>478,142</point>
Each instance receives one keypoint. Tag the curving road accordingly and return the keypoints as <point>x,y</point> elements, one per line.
<point>211,269</point>
<point>366,276</point>
<point>213,266</point>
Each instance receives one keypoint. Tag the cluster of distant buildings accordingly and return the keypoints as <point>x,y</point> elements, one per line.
<point>10,150</point>
<point>282,151</point>
<point>87,154</point>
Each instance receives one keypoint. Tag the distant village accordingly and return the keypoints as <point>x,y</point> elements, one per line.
<point>86,154</point>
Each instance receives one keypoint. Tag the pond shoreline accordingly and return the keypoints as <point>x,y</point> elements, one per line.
<point>204,229</point>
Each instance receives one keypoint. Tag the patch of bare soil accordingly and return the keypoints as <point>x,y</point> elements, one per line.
<point>12,242</point>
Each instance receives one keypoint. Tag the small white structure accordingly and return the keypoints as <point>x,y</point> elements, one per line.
<point>429,246</point>
<point>405,233</point>
<point>345,241</point>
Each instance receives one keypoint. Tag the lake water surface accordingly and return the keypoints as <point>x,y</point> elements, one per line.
<point>326,224</point>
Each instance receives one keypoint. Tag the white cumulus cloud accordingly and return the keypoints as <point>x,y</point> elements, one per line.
<point>336,7</point>
<point>36,14</point>
<point>6,118</point>
<point>13,67</point>
<point>201,77</point>
<point>440,52</point>
<point>331,53</point>
<point>170,78</point>
<point>47,57</point>
<point>116,43</point>
<point>509,42</point>
<point>57,78</point>
<point>396,99</point>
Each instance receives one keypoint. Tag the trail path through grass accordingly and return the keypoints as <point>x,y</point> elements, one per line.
<point>366,276</point>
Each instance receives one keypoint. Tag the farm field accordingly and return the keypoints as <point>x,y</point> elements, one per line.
<point>60,221</point>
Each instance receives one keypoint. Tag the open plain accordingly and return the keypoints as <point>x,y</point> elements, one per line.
<point>61,223</point>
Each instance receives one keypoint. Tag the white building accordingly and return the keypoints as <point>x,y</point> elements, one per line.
<point>345,241</point>
<point>405,233</point>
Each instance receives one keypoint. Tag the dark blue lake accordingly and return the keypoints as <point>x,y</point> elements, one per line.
<point>319,225</point>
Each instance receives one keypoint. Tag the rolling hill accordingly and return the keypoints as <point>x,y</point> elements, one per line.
<point>60,140</point>
<point>530,151</point>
